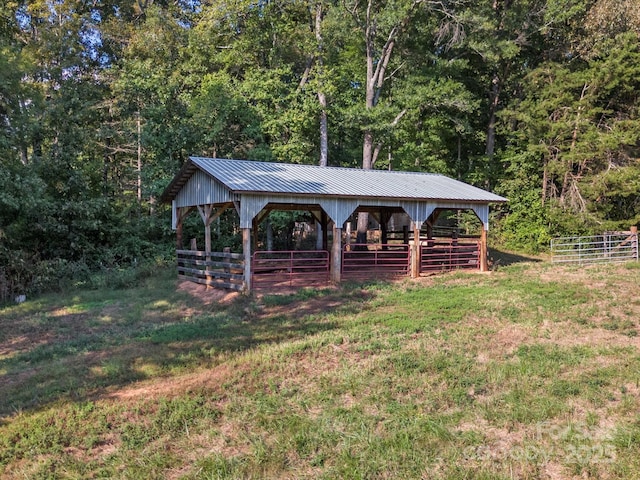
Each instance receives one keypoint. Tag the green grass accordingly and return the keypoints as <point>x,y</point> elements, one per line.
<point>531,372</point>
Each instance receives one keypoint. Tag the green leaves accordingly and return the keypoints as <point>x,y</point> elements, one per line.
<point>582,119</point>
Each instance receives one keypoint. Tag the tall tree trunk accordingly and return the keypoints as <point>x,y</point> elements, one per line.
<point>493,108</point>
<point>139,165</point>
<point>367,164</point>
<point>322,98</point>
<point>377,60</point>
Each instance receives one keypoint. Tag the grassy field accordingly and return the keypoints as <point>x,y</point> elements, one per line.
<point>531,371</point>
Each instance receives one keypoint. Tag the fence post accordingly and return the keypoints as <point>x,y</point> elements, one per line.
<point>482,247</point>
<point>336,254</point>
<point>579,251</point>
<point>246,249</point>
<point>634,233</point>
<point>226,259</point>
<point>415,251</point>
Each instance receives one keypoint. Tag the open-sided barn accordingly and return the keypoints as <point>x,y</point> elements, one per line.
<point>332,195</point>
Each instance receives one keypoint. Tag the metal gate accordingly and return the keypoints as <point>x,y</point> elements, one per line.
<point>606,248</point>
<point>446,255</point>
<point>302,268</point>
<point>364,261</point>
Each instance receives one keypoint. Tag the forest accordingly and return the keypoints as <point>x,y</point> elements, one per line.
<point>102,101</point>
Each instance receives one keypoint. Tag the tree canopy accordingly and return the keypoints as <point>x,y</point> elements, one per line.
<point>102,101</point>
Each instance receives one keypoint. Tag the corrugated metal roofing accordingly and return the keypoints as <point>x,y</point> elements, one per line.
<point>242,176</point>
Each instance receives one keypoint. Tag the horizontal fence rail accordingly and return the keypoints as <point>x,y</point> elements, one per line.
<point>440,255</point>
<point>269,268</point>
<point>217,269</point>
<point>363,261</point>
<point>605,248</point>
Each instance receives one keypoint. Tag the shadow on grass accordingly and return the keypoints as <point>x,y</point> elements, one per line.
<point>499,258</point>
<point>93,345</point>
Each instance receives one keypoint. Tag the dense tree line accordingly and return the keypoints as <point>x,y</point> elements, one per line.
<point>101,102</point>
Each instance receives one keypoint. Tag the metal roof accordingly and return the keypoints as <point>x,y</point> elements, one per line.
<point>244,176</point>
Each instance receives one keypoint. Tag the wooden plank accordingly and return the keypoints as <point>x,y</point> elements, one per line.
<point>194,253</point>
<point>211,264</point>
<point>231,286</point>
<point>212,273</point>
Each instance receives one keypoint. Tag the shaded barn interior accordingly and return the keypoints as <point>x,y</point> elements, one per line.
<point>414,219</point>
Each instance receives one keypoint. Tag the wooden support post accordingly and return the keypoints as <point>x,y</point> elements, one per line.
<point>348,236</point>
<point>336,255</point>
<point>634,234</point>
<point>325,230</point>
<point>179,218</point>
<point>319,235</point>
<point>246,250</point>
<point>206,215</point>
<point>225,259</point>
<point>254,235</point>
<point>207,250</point>
<point>483,250</point>
<point>415,251</point>
<point>384,220</point>
<point>181,213</point>
<point>207,238</point>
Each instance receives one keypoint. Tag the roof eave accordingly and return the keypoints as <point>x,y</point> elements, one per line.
<point>183,175</point>
<point>401,199</point>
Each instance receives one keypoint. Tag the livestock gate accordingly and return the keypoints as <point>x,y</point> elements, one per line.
<point>609,247</point>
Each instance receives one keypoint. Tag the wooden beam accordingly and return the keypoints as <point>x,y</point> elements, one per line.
<point>483,250</point>
<point>415,251</point>
<point>181,213</point>
<point>385,216</point>
<point>324,222</point>
<point>179,244</point>
<point>208,217</point>
<point>433,218</point>
<point>205,213</point>
<point>262,215</point>
<point>246,250</point>
<point>336,255</point>
<point>317,215</point>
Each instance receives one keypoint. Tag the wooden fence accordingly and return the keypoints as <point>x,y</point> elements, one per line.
<point>217,269</point>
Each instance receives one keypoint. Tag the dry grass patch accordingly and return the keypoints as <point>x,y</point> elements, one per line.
<point>516,374</point>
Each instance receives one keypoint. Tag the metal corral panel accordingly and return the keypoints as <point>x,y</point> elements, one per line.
<point>202,189</point>
<point>242,176</point>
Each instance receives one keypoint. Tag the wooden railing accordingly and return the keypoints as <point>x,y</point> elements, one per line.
<point>363,261</point>
<point>218,269</point>
<point>270,268</point>
<point>441,255</point>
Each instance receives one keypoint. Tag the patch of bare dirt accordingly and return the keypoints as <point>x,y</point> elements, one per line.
<point>562,335</point>
<point>208,296</point>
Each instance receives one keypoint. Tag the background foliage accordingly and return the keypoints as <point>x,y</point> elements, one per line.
<point>101,102</point>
